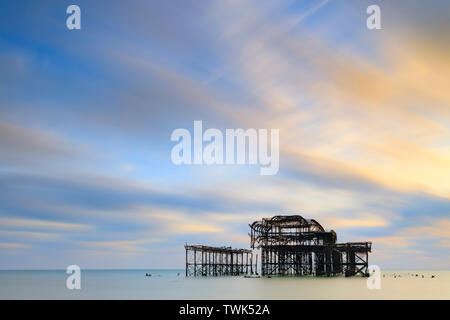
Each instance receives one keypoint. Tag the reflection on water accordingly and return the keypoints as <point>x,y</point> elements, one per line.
<point>171,284</point>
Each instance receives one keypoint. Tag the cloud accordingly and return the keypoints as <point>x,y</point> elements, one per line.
<point>193,228</point>
<point>443,244</point>
<point>426,242</point>
<point>102,192</point>
<point>360,221</point>
<point>127,245</point>
<point>40,224</point>
<point>311,11</point>
<point>363,119</point>
<point>29,235</point>
<point>21,145</point>
<point>391,242</point>
<point>327,172</point>
<point>345,107</point>
<point>440,228</point>
<point>14,245</point>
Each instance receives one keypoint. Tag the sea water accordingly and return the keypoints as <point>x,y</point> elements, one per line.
<point>172,284</point>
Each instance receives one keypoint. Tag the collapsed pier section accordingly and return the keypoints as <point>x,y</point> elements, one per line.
<point>292,245</point>
<point>218,261</point>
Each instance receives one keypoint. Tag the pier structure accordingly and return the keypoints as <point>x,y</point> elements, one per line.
<point>292,245</point>
<point>354,257</point>
<point>218,261</point>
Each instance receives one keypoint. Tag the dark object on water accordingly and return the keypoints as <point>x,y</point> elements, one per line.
<point>178,274</point>
<point>148,274</point>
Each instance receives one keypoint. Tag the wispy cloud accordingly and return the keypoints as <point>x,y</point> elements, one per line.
<point>360,221</point>
<point>30,235</point>
<point>85,165</point>
<point>19,145</point>
<point>41,224</point>
<point>127,245</point>
<point>14,245</point>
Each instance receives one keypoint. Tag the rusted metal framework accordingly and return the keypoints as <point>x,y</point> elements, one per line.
<point>354,257</point>
<point>218,261</point>
<point>298,246</point>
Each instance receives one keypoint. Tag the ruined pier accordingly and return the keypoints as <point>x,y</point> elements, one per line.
<point>218,261</point>
<point>292,245</point>
<point>289,245</point>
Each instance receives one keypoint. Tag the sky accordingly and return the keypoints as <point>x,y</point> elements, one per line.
<point>86,117</point>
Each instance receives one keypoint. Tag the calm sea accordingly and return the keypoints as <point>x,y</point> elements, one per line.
<point>172,284</point>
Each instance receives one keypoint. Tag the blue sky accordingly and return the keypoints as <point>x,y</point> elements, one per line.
<point>86,117</point>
